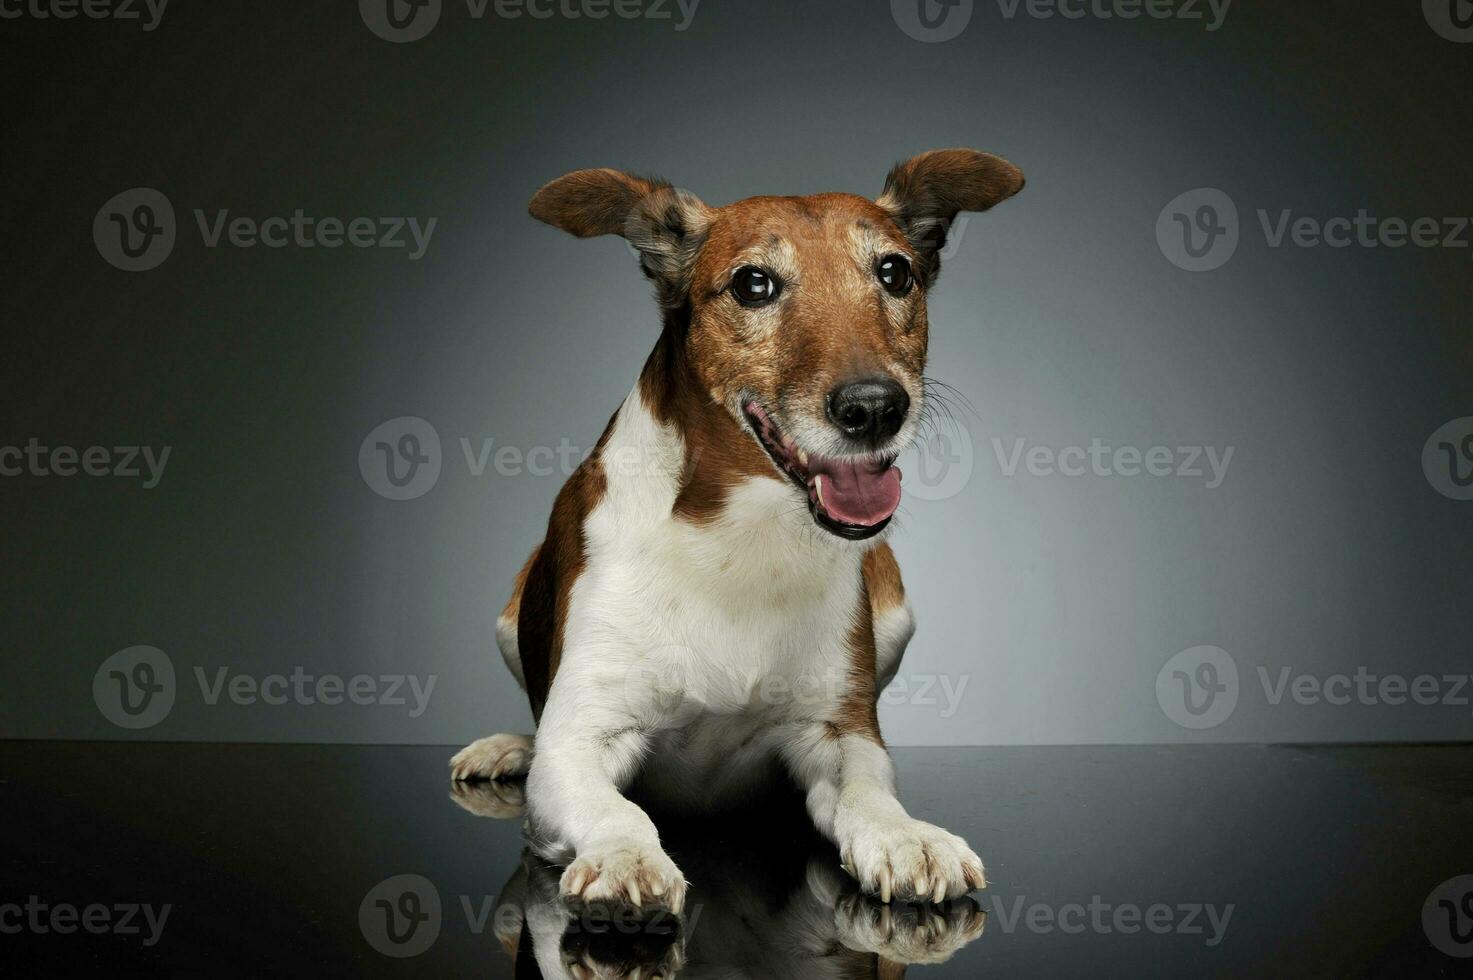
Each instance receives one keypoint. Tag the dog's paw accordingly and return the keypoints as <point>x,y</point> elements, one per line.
<point>493,757</point>
<point>630,873</point>
<point>913,860</point>
<point>498,800</point>
<point>909,934</point>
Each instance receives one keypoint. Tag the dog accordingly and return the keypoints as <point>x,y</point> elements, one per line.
<point>714,600</point>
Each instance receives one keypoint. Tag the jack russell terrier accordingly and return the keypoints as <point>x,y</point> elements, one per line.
<point>712,601</point>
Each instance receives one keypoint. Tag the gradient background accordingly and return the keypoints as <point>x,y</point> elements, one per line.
<point>1055,600</point>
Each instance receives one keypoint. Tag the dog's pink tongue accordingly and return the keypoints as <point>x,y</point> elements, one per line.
<point>856,493</point>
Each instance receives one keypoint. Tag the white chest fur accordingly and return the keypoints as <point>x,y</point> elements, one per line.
<point>713,640</point>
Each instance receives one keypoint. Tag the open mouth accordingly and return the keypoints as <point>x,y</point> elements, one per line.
<point>851,497</point>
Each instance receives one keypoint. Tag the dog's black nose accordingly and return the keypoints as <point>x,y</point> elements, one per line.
<point>872,410</point>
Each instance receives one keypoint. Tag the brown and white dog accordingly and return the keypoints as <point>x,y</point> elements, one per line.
<point>712,600</point>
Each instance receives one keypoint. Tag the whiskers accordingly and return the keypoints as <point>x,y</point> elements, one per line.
<point>942,404</point>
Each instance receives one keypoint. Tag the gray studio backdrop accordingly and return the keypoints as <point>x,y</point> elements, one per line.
<point>1209,474</point>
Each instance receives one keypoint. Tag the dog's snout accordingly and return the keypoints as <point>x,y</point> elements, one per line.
<point>871,410</point>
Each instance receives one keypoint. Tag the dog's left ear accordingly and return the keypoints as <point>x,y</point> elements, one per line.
<point>925,193</point>
<point>665,224</point>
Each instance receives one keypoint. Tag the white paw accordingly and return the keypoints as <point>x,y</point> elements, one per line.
<point>913,860</point>
<point>629,873</point>
<point>493,757</point>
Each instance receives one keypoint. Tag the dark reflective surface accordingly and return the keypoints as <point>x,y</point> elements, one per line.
<point>1222,861</point>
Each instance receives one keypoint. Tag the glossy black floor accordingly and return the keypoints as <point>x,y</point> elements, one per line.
<point>1218,861</point>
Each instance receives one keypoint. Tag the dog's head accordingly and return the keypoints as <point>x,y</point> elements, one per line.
<point>803,317</point>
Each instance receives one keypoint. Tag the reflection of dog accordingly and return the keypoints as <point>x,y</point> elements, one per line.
<point>711,594</point>
<point>777,906</point>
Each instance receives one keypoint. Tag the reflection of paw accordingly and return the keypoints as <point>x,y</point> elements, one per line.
<point>910,934</point>
<point>497,800</point>
<point>493,757</point>
<point>912,859</point>
<point>628,873</point>
<point>624,964</point>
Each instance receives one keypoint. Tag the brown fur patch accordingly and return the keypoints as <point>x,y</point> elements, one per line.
<point>857,706</point>
<point>882,578</point>
<point>514,604</point>
<point>718,452</point>
<point>555,566</point>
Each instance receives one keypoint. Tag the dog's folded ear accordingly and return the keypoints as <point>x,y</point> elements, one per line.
<point>925,193</point>
<point>665,224</point>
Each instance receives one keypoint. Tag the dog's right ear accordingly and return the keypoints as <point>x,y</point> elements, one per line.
<point>665,224</point>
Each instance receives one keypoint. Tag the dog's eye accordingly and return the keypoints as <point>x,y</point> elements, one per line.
<point>893,272</point>
<point>753,287</point>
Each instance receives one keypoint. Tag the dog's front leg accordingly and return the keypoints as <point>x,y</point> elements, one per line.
<point>575,804</point>
<point>850,783</point>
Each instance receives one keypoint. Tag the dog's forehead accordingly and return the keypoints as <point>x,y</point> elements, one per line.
<point>814,222</point>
